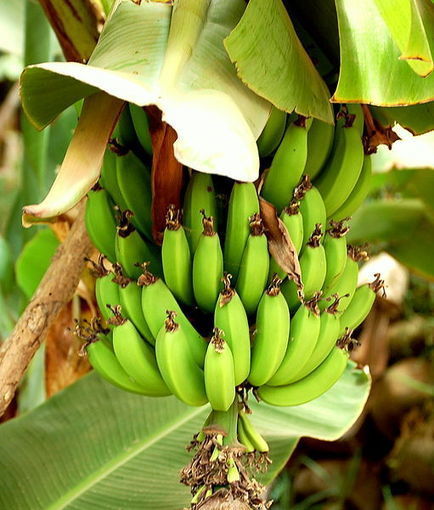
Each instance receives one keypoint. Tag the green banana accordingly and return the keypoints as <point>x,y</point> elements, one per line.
<point>207,266</point>
<point>293,221</point>
<point>141,127</point>
<point>312,207</point>
<point>255,263</point>
<point>104,361</point>
<point>243,438</point>
<point>156,299</point>
<point>335,247</point>
<point>106,290</point>
<point>130,298</point>
<point>177,365</point>
<point>134,180</point>
<point>176,257</point>
<point>310,387</point>
<point>137,358</point>
<point>341,172</point>
<point>361,304</point>
<point>327,338</point>
<point>287,165</point>
<point>109,179</point>
<point>359,119</point>
<point>257,441</point>
<point>313,271</point>
<point>319,144</point>
<point>230,316</point>
<point>272,134</point>
<point>100,222</point>
<point>199,195</point>
<point>219,373</point>
<point>359,193</point>
<point>132,250</point>
<point>243,203</point>
<point>346,284</point>
<point>271,338</point>
<point>305,328</point>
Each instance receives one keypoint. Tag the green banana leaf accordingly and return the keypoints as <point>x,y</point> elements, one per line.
<point>34,260</point>
<point>144,56</point>
<point>402,227</point>
<point>411,24</point>
<point>277,68</point>
<point>94,446</point>
<point>371,70</point>
<point>418,118</point>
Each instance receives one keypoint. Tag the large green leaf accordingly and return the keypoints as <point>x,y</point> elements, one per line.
<point>411,24</point>
<point>371,69</point>
<point>271,61</point>
<point>94,446</point>
<point>34,260</point>
<point>148,54</point>
<point>418,118</point>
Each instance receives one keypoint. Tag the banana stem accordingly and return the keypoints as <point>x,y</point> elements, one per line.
<point>227,422</point>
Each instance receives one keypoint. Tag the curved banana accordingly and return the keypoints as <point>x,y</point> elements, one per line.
<point>134,180</point>
<point>287,165</point>
<point>319,145</point>
<point>327,338</point>
<point>124,132</point>
<point>100,222</point>
<point>254,266</point>
<point>106,293</point>
<point>132,250</point>
<point>312,207</point>
<point>271,338</point>
<point>272,133</point>
<point>104,361</point>
<point>137,358</point>
<point>176,257</point>
<point>359,193</point>
<point>130,296</point>
<point>335,247</point>
<point>156,299</point>
<point>310,387</point>
<point>313,271</point>
<point>230,316</point>
<point>293,221</point>
<point>256,440</point>
<point>361,304</point>
<point>109,179</point>
<point>199,195</point>
<point>305,327</point>
<point>346,284</point>
<point>177,366</point>
<point>243,203</point>
<point>243,438</point>
<point>219,373</point>
<point>207,266</point>
<point>141,127</point>
<point>341,172</point>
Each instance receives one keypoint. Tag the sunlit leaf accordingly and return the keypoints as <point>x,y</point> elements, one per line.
<point>371,69</point>
<point>418,118</point>
<point>147,56</point>
<point>411,24</point>
<point>277,67</point>
<point>93,443</point>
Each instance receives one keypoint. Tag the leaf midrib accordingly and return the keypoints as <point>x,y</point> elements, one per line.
<point>121,459</point>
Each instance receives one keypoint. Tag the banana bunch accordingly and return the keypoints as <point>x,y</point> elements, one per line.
<point>210,315</point>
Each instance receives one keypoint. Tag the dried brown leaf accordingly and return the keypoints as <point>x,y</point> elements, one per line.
<point>280,244</point>
<point>167,172</point>
<point>63,365</point>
